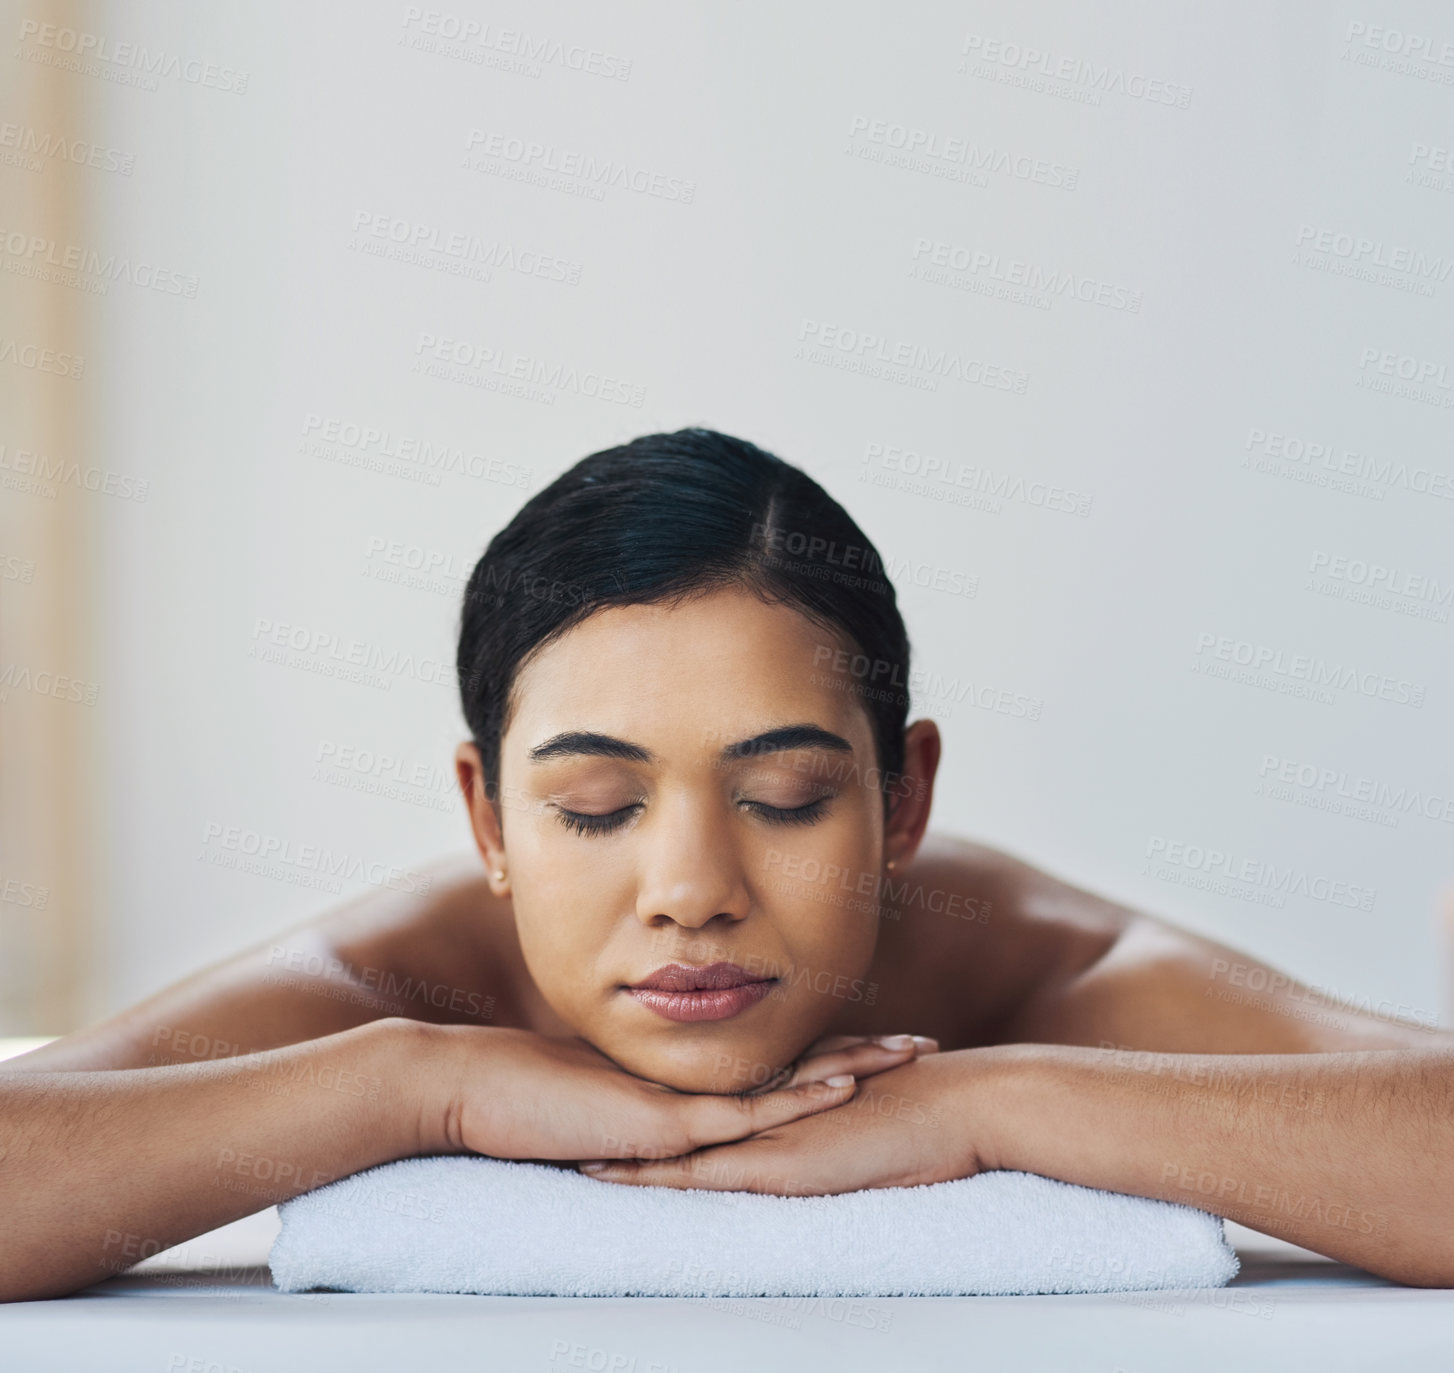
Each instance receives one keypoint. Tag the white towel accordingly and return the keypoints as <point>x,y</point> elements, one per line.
<point>466,1223</point>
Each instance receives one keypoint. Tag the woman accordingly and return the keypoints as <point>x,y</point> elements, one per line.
<point>713,946</point>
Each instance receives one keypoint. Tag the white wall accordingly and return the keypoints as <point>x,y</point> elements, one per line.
<point>1207,215</point>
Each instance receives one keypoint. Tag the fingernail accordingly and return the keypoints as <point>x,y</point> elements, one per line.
<point>925,1045</point>
<point>593,1167</point>
<point>896,1041</point>
<point>839,1080</point>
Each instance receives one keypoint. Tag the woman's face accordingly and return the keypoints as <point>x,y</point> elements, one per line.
<point>635,835</point>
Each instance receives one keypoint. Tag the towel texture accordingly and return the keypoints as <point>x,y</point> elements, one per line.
<point>474,1224</point>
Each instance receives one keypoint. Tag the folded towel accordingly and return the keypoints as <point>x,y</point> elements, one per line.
<point>474,1224</point>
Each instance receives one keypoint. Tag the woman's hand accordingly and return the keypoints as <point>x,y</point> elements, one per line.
<point>519,1095</point>
<point>859,1055</point>
<point>927,1121</point>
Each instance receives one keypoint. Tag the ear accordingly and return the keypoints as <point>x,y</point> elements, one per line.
<point>484,816</point>
<point>912,794</point>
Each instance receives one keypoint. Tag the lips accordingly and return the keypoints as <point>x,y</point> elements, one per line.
<point>713,977</point>
<point>717,991</point>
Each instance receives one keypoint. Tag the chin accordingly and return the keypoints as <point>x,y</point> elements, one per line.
<point>726,1069</point>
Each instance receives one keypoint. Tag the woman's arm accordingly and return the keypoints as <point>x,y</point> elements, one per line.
<point>99,1170</point>
<point>1348,1154</point>
<point>384,953</point>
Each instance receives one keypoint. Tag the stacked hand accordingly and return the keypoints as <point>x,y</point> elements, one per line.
<point>907,1125</point>
<point>853,1112</point>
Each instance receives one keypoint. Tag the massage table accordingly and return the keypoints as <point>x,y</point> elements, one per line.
<point>208,1306</point>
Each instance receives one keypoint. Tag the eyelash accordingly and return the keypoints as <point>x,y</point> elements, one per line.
<point>604,824</point>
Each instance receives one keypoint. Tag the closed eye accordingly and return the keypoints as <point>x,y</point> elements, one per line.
<point>582,822</point>
<point>798,815</point>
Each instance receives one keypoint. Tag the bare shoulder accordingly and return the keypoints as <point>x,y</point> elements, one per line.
<point>1007,932</point>
<point>425,952</point>
<point>443,940</point>
<point>1076,967</point>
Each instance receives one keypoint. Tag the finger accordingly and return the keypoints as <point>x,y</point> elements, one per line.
<point>834,1043</point>
<point>674,1172</point>
<point>863,1058</point>
<point>718,1119</point>
<point>732,1168</point>
<point>830,1043</point>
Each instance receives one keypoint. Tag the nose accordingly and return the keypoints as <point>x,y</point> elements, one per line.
<point>690,872</point>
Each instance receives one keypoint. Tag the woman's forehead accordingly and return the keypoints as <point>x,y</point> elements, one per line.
<point>695,677</point>
<point>725,635</point>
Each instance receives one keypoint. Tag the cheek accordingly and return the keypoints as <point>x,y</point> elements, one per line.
<point>832,949</point>
<point>557,948</point>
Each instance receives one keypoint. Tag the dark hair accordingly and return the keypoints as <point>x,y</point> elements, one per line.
<point>659,519</point>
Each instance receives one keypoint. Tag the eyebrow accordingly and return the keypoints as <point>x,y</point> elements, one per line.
<point>587,743</point>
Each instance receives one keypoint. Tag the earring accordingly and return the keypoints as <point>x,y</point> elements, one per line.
<point>890,865</point>
<point>499,874</point>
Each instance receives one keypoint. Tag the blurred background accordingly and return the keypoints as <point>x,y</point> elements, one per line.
<point>1124,330</point>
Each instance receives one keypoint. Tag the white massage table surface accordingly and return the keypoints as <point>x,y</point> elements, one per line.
<point>209,1307</point>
